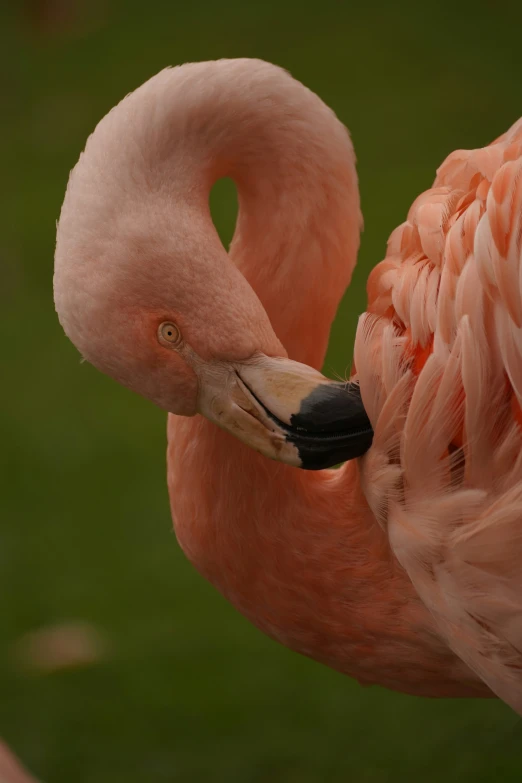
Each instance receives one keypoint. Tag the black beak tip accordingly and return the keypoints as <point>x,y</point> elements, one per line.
<point>331,427</point>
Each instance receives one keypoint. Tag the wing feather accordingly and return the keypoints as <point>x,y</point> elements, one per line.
<point>439,357</point>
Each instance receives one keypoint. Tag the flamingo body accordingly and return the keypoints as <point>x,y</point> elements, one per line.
<point>400,568</point>
<point>439,357</point>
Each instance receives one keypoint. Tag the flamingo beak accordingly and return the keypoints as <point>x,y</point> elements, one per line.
<point>291,413</point>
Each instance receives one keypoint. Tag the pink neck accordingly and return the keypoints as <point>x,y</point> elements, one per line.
<point>296,243</point>
<point>301,556</point>
<point>268,536</point>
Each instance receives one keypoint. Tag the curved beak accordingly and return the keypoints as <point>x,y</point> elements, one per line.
<point>287,411</point>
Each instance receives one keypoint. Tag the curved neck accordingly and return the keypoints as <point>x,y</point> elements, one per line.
<point>141,191</point>
<point>302,557</point>
<point>292,160</point>
<point>297,232</point>
<point>296,242</point>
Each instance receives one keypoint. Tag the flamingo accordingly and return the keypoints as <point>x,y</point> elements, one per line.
<point>403,566</point>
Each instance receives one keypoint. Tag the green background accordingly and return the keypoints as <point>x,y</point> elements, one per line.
<point>188,691</point>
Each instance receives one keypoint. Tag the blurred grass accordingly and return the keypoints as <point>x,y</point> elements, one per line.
<point>190,692</point>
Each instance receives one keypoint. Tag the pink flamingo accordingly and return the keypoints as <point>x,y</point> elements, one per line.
<point>404,566</point>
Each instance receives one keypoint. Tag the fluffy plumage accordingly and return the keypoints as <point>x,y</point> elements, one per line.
<point>402,570</point>
<point>440,367</point>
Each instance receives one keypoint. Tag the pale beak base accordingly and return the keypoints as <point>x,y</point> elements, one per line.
<point>286,410</point>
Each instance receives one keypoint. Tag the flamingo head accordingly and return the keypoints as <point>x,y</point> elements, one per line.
<point>148,295</point>
<point>187,331</point>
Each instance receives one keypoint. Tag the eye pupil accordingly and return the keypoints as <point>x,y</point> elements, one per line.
<point>169,333</point>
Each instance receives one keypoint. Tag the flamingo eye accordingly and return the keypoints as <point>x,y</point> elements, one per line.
<point>169,334</point>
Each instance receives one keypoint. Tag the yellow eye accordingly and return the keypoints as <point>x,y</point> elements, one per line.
<point>169,333</point>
